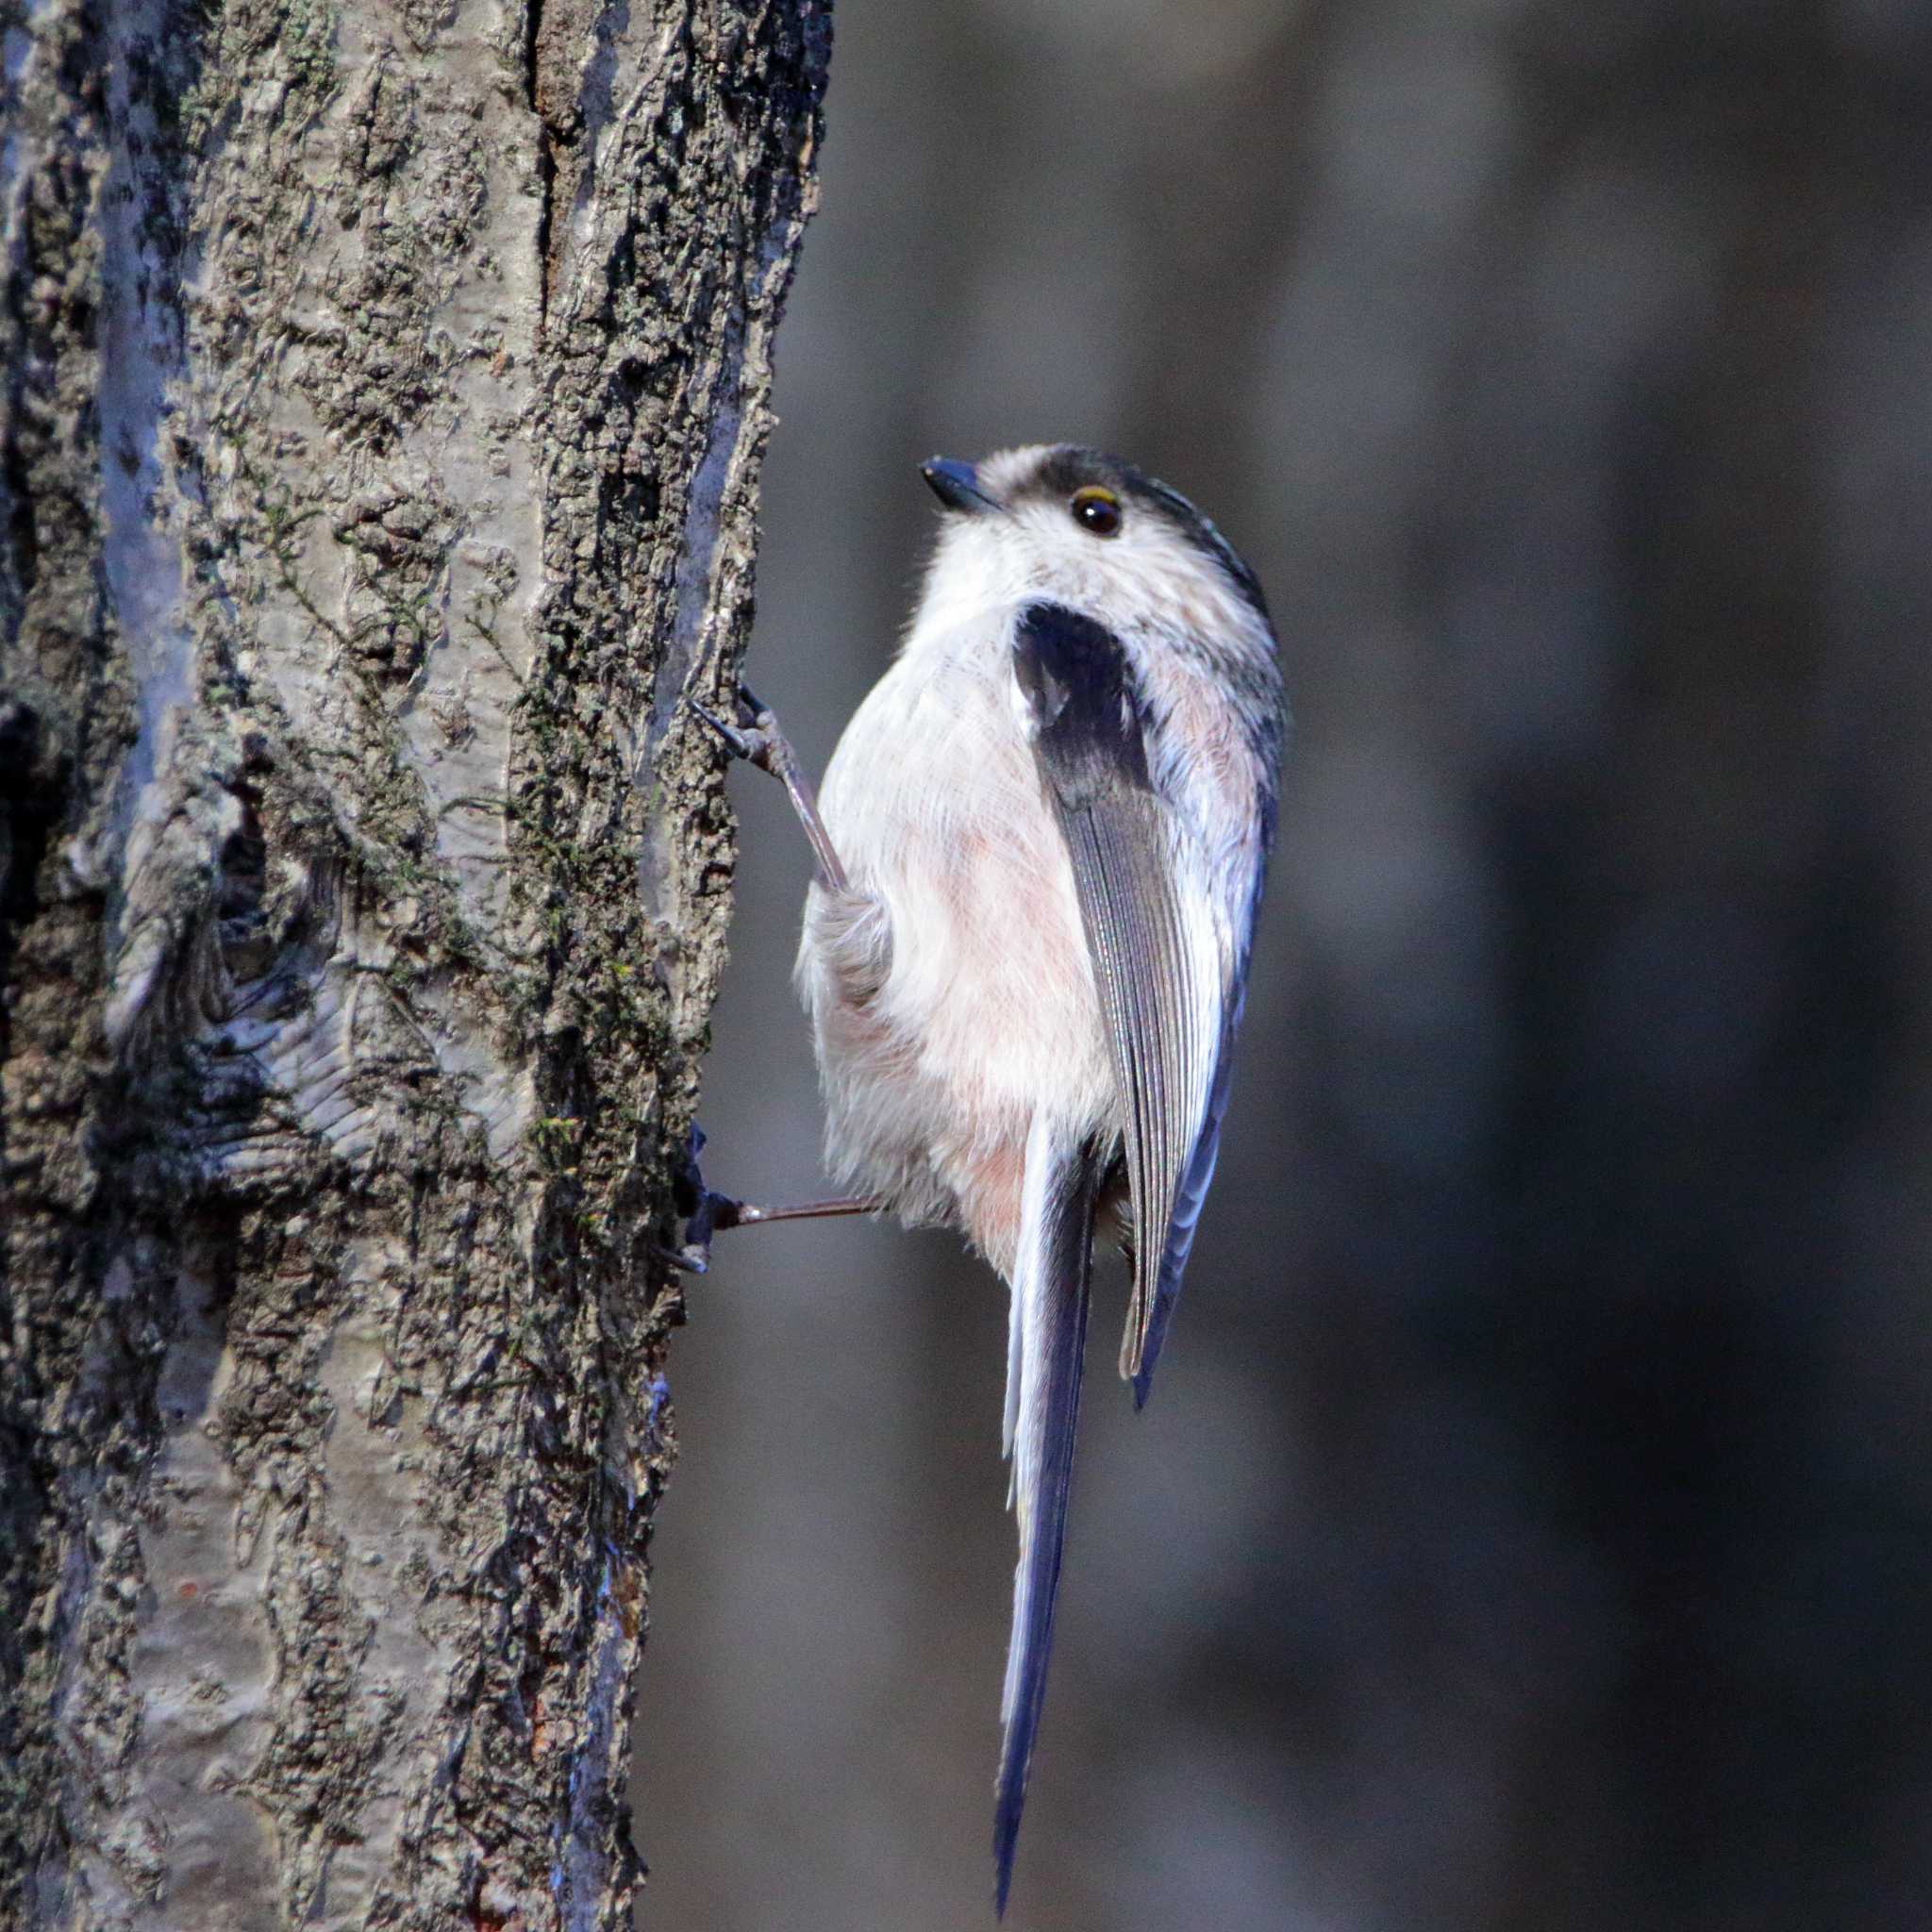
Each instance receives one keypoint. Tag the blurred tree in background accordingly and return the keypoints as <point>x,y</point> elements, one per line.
<point>1532,1528</point>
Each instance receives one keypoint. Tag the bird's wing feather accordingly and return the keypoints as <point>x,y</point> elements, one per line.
<point>1166,986</point>
<point>1186,1217</point>
<point>1049,1278</point>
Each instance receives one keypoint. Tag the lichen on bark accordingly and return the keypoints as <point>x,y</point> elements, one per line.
<point>386,392</point>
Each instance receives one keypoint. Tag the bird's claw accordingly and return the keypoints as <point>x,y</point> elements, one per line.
<point>704,1211</point>
<point>754,737</point>
<point>735,740</point>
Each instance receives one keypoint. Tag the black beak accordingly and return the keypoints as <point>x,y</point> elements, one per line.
<point>956,486</point>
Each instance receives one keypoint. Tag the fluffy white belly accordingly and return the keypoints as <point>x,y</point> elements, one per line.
<point>953,996</point>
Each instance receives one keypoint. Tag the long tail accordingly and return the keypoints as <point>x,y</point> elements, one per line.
<point>1049,1333</point>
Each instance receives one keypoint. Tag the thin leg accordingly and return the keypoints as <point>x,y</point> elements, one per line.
<point>714,1214</point>
<point>727,1213</point>
<point>757,740</point>
<point>707,1212</point>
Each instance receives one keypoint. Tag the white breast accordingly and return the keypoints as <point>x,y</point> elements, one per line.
<point>987,1012</point>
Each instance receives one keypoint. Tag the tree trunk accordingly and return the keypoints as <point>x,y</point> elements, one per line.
<point>385,390</point>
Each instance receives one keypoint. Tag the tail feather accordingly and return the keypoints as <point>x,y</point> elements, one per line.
<point>1050,1292</point>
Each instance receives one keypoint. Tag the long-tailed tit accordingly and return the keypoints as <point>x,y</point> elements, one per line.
<point>1040,844</point>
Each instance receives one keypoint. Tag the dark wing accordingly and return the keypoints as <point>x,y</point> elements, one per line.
<point>1164,985</point>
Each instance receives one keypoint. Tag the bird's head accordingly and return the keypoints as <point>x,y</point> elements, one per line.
<point>1087,530</point>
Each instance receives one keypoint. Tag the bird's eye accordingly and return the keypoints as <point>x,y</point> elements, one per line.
<point>1096,510</point>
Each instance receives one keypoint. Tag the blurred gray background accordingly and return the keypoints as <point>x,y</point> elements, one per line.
<point>1533,1524</point>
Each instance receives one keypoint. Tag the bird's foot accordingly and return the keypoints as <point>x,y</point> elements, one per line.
<point>753,734</point>
<point>702,1211</point>
<point>706,1213</point>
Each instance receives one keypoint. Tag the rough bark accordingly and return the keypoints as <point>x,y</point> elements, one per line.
<point>385,394</point>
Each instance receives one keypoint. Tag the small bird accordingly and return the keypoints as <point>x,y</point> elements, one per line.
<point>1040,851</point>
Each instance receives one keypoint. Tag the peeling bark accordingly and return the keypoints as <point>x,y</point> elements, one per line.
<point>385,394</point>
